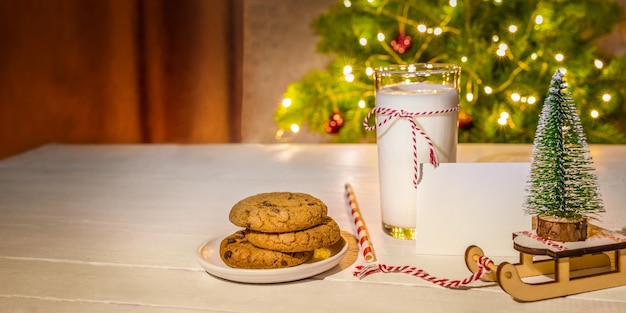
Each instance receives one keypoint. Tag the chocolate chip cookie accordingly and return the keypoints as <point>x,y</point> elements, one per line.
<point>278,212</point>
<point>316,237</point>
<point>236,251</point>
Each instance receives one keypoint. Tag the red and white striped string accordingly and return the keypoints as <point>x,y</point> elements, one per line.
<point>390,114</point>
<point>483,269</point>
<point>365,243</point>
<point>367,252</point>
<point>553,244</point>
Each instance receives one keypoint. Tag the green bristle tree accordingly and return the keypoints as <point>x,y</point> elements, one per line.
<point>507,49</point>
<point>562,183</point>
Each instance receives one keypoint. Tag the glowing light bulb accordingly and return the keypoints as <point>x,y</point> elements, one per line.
<point>286,102</point>
<point>515,97</point>
<point>463,59</point>
<point>606,97</point>
<point>369,71</point>
<point>503,120</point>
<point>421,28</point>
<point>532,100</point>
<point>437,31</point>
<point>512,28</point>
<point>495,38</point>
<point>453,3</point>
<point>539,20</point>
<point>594,114</point>
<point>349,78</point>
<point>502,49</point>
<point>559,57</point>
<point>380,37</point>
<point>533,56</point>
<point>361,104</point>
<point>488,90</point>
<point>294,128</point>
<point>347,70</point>
<point>363,41</point>
<point>347,3</point>
<point>598,63</point>
<point>469,96</point>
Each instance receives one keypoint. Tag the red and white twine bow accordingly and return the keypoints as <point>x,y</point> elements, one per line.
<point>410,116</point>
<point>483,268</point>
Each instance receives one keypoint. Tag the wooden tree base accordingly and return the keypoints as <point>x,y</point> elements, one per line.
<point>561,229</point>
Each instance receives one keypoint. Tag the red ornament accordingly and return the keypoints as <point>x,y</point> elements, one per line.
<point>465,121</point>
<point>402,43</point>
<point>334,124</point>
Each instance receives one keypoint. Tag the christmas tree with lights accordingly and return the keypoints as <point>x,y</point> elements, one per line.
<point>562,183</point>
<point>507,50</point>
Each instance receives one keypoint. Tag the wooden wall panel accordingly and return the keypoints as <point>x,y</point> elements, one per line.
<point>114,71</point>
<point>67,73</point>
<point>187,58</point>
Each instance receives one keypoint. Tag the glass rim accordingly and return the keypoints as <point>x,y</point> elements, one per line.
<point>418,68</point>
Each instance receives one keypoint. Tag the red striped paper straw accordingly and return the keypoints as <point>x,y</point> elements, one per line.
<point>365,242</point>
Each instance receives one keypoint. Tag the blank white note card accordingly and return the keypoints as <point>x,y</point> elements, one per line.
<point>463,204</point>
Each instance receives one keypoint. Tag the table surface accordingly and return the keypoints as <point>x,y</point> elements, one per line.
<point>115,228</point>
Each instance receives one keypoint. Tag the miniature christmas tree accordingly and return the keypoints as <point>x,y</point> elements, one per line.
<point>562,184</point>
<point>504,47</point>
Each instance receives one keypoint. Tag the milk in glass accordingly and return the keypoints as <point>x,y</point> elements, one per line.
<point>395,144</point>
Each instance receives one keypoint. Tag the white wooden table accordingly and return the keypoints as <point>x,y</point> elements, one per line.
<point>115,228</point>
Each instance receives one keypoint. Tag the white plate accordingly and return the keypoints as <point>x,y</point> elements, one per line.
<point>209,258</point>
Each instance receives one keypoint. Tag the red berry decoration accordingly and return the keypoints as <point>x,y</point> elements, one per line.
<point>334,124</point>
<point>402,43</point>
<point>465,121</point>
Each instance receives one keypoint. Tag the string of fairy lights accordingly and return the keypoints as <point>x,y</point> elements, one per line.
<point>474,87</point>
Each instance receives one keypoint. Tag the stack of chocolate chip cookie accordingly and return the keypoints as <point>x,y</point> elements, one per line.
<point>282,229</point>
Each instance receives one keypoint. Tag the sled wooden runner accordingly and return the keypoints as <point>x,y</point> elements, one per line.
<point>549,269</point>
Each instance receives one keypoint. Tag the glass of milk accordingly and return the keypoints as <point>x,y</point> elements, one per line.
<point>417,92</point>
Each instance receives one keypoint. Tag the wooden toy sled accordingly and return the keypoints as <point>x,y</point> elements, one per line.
<point>548,269</point>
